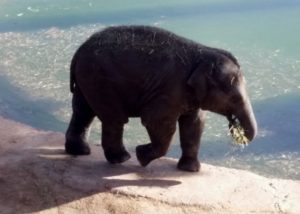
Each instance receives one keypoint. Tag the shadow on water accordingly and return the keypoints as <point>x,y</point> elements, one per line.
<point>17,105</point>
<point>60,19</point>
<point>279,124</point>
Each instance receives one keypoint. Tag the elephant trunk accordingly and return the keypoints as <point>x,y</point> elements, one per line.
<point>247,120</point>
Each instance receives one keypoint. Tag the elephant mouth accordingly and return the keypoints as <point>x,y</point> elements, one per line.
<point>237,131</point>
<point>232,119</point>
<point>245,125</point>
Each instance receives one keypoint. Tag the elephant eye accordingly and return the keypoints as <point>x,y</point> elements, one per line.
<point>229,83</point>
<point>233,80</point>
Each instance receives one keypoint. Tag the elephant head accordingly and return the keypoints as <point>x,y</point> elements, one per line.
<point>220,87</point>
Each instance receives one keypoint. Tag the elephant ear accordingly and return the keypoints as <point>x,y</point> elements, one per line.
<point>200,78</point>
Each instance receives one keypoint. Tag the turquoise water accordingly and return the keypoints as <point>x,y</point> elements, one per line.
<point>39,37</point>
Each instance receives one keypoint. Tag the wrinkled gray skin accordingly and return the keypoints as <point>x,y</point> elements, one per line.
<point>147,72</point>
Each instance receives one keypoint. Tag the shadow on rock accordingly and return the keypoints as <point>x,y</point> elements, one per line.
<point>35,178</point>
<point>279,125</point>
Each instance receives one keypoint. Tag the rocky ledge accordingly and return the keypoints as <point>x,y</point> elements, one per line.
<point>36,176</point>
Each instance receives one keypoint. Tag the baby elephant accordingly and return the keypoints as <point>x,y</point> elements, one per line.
<point>151,73</point>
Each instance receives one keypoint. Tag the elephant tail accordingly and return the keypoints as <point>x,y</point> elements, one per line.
<point>72,74</point>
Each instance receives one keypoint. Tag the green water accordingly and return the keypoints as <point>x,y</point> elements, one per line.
<point>39,37</point>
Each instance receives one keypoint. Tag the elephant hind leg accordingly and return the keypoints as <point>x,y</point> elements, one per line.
<point>112,143</point>
<point>81,119</point>
<point>109,109</point>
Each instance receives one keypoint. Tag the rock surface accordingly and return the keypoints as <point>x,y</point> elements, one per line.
<point>36,176</point>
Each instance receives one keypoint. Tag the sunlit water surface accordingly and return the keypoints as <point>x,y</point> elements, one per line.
<point>38,39</point>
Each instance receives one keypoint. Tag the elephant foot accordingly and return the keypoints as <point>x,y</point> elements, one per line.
<point>117,157</point>
<point>189,164</point>
<point>77,147</point>
<point>142,154</point>
<point>145,154</point>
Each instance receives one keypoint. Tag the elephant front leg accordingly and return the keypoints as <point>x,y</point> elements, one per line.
<point>190,131</point>
<point>160,133</point>
<point>81,119</point>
